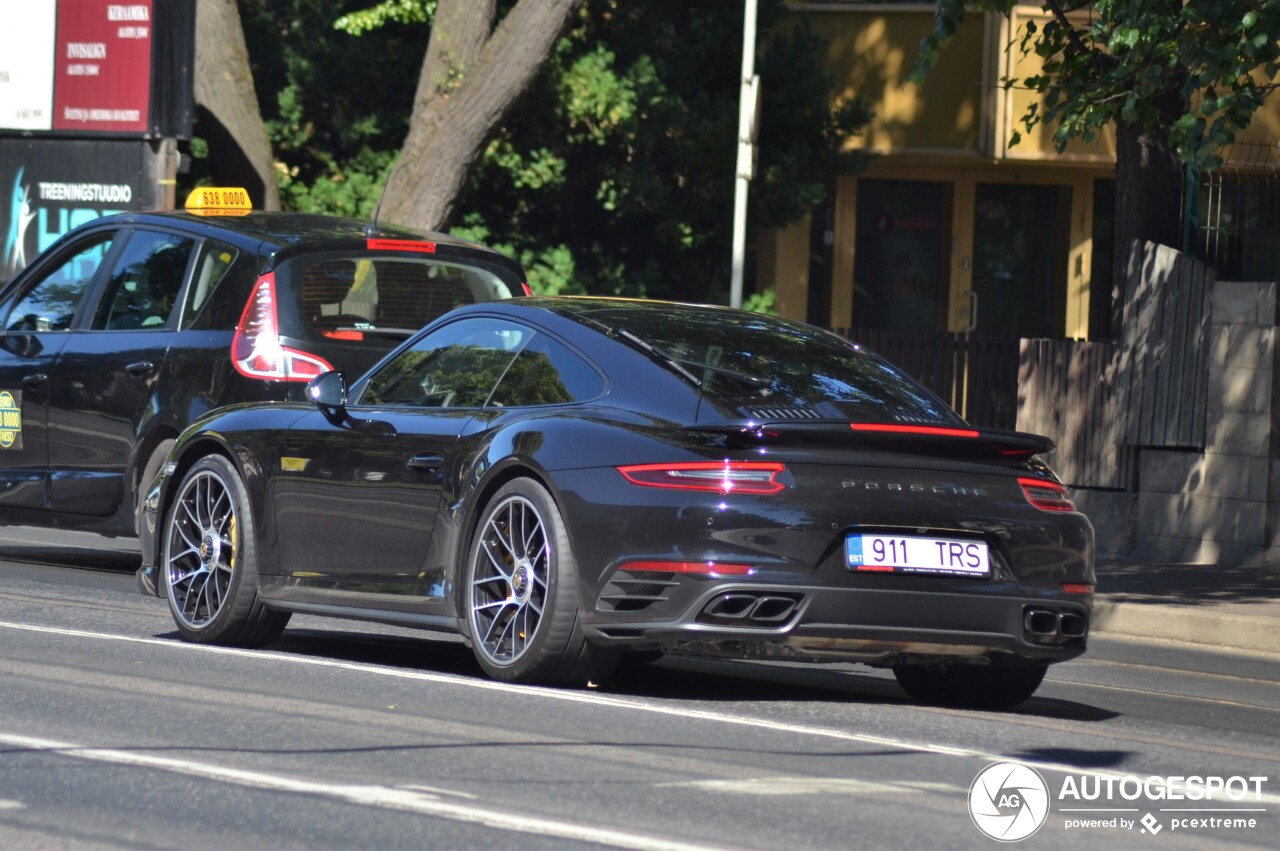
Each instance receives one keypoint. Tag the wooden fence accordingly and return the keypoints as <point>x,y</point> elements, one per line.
<point>976,374</point>
<point>1097,401</point>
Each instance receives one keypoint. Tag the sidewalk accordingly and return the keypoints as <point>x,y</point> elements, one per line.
<point>1231,608</point>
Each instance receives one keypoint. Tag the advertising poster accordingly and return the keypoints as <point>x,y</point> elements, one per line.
<point>102,78</point>
<point>49,186</point>
<point>27,65</point>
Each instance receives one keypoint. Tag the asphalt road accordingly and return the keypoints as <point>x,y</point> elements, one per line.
<point>116,734</point>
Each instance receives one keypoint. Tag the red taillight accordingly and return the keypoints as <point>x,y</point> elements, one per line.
<point>710,568</point>
<point>528,290</point>
<point>934,431</point>
<point>1077,588</point>
<point>1047,496</point>
<point>256,350</point>
<point>758,477</point>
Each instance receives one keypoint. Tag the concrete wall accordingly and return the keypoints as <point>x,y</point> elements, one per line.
<point>1220,505</point>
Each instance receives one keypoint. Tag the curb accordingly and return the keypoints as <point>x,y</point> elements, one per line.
<point>1217,626</point>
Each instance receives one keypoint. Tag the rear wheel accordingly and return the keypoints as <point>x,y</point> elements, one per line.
<point>210,572</point>
<point>970,686</point>
<point>522,594</point>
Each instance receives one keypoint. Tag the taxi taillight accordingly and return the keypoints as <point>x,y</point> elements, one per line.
<point>256,349</point>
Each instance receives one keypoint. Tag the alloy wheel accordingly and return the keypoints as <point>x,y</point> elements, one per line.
<point>200,553</point>
<point>509,580</point>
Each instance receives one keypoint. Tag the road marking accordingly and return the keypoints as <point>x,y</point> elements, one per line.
<point>770,786</point>
<point>11,805</point>
<point>585,698</point>
<point>384,797</point>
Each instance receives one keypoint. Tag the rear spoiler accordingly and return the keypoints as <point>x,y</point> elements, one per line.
<point>951,441</point>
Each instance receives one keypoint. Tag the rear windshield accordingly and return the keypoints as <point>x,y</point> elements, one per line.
<point>382,298</point>
<point>764,367</point>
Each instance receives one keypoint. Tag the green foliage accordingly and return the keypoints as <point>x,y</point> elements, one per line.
<point>764,301</point>
<point>613,175</point>
<point>637,111</point>
<point>1181,70</point>
<point>336,108</point>
<point>388,12</point>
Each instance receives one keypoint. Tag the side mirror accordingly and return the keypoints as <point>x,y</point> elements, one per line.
<point>328,392</point>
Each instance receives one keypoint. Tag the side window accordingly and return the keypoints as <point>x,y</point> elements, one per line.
<point>51,304</point>
<point>547,373</point>
<point>456,366</point>
<point>144,284</point>
<point>211,267</point>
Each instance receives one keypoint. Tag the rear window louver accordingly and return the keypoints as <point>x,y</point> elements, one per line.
<point>779,412</point>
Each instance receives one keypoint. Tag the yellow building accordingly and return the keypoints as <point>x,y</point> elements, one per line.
<point>952,228</point>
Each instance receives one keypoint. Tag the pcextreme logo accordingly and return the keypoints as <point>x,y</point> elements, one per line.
<point>10,421</point>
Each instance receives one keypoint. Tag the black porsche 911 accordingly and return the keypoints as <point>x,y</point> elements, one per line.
<point>566,480</point>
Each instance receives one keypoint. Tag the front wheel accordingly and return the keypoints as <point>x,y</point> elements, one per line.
<point>970,686</point>
<point>209,559</point>
<point>521,594</point>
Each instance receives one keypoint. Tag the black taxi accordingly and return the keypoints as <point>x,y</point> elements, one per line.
<point>130,327</point>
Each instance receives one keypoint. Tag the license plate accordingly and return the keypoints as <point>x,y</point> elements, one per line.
<point>913,554</point>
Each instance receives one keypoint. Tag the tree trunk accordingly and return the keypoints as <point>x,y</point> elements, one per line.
<point>471,77</point>
<point>1149,194</point>
<point>231,121</point>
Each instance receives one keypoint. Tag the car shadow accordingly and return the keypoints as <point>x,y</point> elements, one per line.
<point>696,679</point>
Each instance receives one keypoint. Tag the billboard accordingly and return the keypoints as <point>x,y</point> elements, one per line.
<point>97,67</point>
<point>27,65</point>
<point>49,186</point>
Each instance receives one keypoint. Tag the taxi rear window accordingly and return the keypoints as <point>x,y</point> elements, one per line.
<point>354,299</point>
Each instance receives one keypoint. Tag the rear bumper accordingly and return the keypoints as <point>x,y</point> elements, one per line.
<point>879,626</point>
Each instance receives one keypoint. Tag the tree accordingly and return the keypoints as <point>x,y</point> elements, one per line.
<point>615,172</point>
<point>224,90</point>
<point>473,74</point>
<point>1178,78</point>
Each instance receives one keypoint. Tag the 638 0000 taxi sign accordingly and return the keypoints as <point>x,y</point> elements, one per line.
<point>10,420</point>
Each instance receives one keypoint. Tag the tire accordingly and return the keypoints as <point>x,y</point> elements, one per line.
<point>209,565</point>
<point>970,686</point>
<point>521,594</point>
<point>149,472</point>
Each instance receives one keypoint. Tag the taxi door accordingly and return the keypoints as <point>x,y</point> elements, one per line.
<point>108,372</point>
<point>37,313</point>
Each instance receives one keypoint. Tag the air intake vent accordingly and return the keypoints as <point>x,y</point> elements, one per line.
<point>636,591</point>
<point>780,412</point>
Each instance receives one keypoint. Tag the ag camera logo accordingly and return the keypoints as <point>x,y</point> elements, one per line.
<point>1008,802</point>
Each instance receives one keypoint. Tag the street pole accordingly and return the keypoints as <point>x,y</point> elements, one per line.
<point>748,101</point>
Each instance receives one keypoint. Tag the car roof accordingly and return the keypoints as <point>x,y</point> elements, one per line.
<point>276,232</point>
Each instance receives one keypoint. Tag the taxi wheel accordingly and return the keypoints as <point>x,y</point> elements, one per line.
<point>521,594</point>
<point>209,561</point>
<point>970,686</point>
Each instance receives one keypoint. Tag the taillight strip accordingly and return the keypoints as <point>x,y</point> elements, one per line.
<point>710,568</point>
<point>1047,496</point>
<point>934,431</point>
<point>751,477</point>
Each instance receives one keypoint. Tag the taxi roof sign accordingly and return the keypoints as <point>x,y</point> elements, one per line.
<point>219,201</point>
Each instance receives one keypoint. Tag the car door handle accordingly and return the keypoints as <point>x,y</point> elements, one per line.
<point>141,369</point>
<point>425,463</point>
<point>34,380</point>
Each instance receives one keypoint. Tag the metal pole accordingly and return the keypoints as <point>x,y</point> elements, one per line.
<point>746,145</point>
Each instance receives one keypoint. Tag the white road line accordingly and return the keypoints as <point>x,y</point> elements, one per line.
<point>384,797</point>
<point>586,698</point>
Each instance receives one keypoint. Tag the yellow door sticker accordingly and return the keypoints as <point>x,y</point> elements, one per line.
<point>10,421</point>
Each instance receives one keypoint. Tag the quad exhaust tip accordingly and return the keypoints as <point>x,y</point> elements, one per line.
<point>1045,626</point>
<point>749,608</point>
